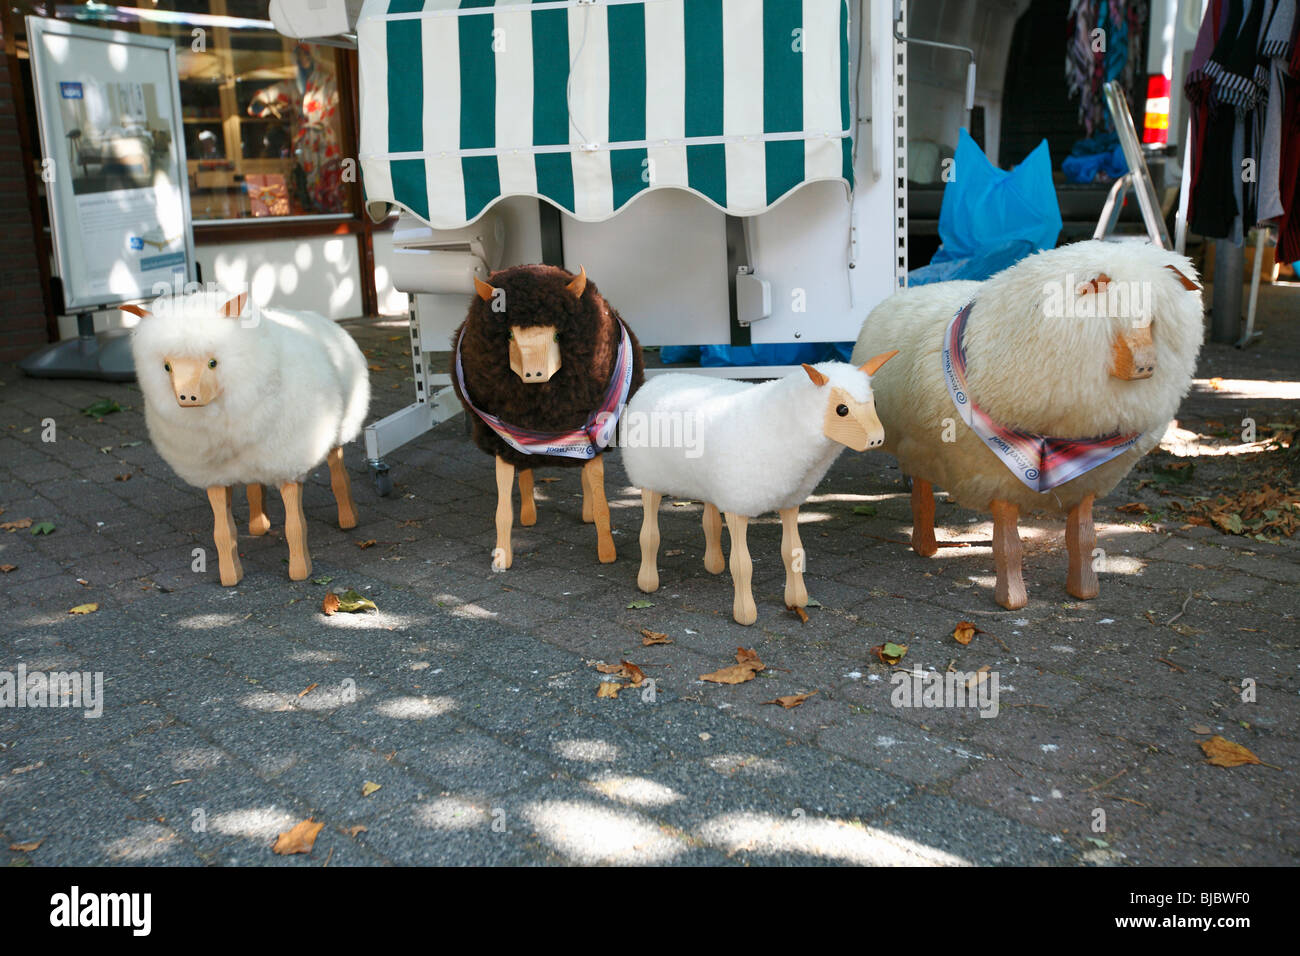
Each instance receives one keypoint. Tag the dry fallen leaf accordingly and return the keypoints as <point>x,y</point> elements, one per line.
<point>979,677</point>
<point>300,839</point>
<point>745,669</point>
<point>735,674</point>
<point>26,847</point>
<point>353,831</point>
<point>366,544</point>
<point>308,690</point>
<point>1224,753</point>
<point>330,604</point>
<point>126,477</point>
<point>609,668</point>
<point>790,700</point>
<point>1134,508</point>
<point>351,602</point>
<point>84,609</point>
<point>6,568</point>
<point>607,689</point>
<point>633,673</point>
<point>964,632</point>
<point>800,613</point>
<point>890,653</point>
<point>16,525</point>
<point>1201,729</point>
<point>370,787</point>
<point>649,637</point>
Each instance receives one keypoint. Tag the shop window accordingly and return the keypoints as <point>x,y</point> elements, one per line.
<point>264,136</point>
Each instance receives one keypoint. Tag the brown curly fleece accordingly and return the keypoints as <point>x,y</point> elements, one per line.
<point>589,334</point>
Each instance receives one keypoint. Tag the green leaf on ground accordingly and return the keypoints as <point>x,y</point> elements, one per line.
<point>105,406</point>
<point>868,510</point>
<point>45,527</point>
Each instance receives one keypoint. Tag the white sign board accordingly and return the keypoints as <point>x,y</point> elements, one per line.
<point>114,161</point>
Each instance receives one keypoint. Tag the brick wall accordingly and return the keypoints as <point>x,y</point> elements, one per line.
<point>22,306</point>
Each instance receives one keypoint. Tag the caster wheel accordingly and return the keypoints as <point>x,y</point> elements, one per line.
<point>383,481</point>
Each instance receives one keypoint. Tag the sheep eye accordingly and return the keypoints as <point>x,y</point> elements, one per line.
<point>212,363</point>
<point>557,336</point>
<point>841,410</point>
<point>510,334</point>
<point>167,366</point>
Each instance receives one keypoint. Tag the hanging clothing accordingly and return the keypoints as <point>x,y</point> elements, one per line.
<point>1244,95</point>
<point>1093,59</point>
<point>1288,224</point>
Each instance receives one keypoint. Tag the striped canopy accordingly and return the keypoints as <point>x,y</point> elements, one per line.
<point>589,104</point>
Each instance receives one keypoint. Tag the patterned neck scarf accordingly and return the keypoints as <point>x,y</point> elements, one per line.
<point>1040,462</point>
<point>585,442</point>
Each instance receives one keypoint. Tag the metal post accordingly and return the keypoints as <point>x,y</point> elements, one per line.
<point>1229,273</point>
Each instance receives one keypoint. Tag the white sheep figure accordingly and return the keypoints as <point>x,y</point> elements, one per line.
<point>1073,362</point>
<point>252,401</point>
<point>744,450</point>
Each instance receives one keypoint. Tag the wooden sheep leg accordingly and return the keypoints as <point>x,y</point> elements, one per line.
<point>647,578</point>
<point>796,595</point>
<point>295,531</point>
<point>923,542</point>
<point>1080,539</point>
<point>527,504</point>
<point>588,516</point>
<point>342,488</point>
<point>713,560</point>
<point>743,608</point>
<point>595,472</point>
<point>223,533</point>
<point>1010,592</point>
<point>258,522</point>
<point>502,557</point>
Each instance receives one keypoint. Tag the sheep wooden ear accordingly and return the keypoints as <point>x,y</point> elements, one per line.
<point>579,283</point>
<point>235,307</point>
<point>817,377</point>
<point>1188,284</point>
<point>136,310</point>
<point>484,289</point>
<point>872,365</point>
<point>1097,285</point>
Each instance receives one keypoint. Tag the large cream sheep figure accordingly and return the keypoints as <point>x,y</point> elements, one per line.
<point>252,401</point>
<point>1037,389</point>
<point>745,449</point>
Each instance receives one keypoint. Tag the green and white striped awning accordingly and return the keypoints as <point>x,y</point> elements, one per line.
<point>589,103</point>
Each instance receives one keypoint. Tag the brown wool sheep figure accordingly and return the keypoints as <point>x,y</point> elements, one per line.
<point>543,366</point>
<point>1035,390</point>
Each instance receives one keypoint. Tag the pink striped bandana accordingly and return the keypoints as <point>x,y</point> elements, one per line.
<point>1041,463</point>
<point>584,442</point>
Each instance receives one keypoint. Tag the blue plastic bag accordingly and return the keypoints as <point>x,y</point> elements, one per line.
<point>984,207</point>
<point>976,269</point>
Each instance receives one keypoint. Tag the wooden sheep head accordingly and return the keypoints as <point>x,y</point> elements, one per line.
<point>848,421</point>
<point>195,380</point>
<point>534,349</point>
<point>1132,350</point>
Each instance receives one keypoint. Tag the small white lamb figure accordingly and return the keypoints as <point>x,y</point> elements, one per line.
<point>744,449</point>
<point>1037,389</point>
<point>253,402</point>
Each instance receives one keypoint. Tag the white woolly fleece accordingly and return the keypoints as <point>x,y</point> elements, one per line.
<point>760,446</point>
<point>293,387</point>
<point>1031,369</point>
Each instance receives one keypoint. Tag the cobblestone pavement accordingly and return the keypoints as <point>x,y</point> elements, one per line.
<point>470,697</point>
